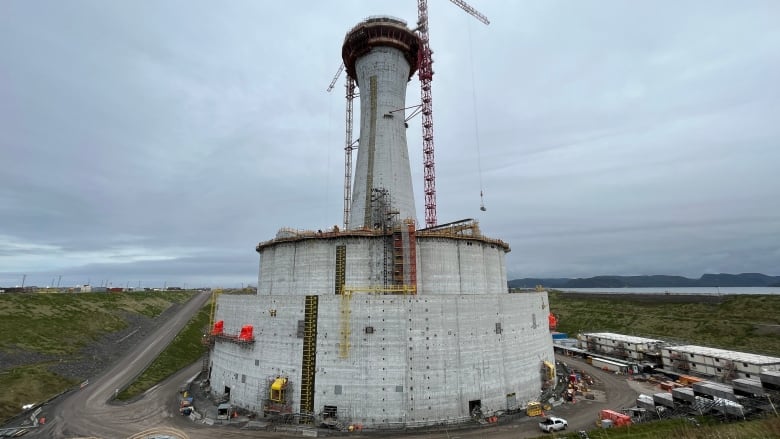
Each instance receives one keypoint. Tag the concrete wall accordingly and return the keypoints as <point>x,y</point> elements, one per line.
<point>425,360</point>
<point>277,351</point>
<point>456,266</point>
<point>445,266</point>
<point>383,159</point>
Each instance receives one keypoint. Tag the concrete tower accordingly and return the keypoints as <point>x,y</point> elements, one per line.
<point>381,325</point>
<point>381,55</point>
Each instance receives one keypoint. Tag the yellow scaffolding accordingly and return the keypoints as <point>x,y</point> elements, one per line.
<point>309,362</point>
<point>341,268</point>
<point>214,295</point>
<point>399,289</point>
<point>345,330</point>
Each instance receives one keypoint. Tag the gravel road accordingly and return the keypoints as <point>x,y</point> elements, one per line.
<point>88,413</point>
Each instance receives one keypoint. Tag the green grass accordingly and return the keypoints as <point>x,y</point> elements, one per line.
<point>27,385</point>
<point>185,349</point>
<point>748,323</point>
<point>681,429</point>
<point>61,324</point>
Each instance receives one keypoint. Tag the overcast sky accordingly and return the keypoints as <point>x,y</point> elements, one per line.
<point>158,142</point>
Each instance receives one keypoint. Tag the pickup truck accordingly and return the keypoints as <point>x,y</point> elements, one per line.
<point>553,424</point>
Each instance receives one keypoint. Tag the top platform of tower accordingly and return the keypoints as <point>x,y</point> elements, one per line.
<point>380,31</point>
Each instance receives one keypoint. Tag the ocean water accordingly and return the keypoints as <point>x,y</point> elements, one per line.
<point>679,290</point>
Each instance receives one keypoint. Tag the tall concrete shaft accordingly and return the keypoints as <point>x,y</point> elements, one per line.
<point>381,54</point>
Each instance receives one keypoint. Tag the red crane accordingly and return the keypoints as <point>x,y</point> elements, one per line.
<point>425,74</point>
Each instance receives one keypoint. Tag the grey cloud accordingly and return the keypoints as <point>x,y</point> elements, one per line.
<point>613,137</point>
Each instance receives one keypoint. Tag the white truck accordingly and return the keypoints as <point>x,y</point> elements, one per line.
<point>553,424</point>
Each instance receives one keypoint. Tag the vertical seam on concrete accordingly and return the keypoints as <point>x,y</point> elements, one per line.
<point>371,146</point>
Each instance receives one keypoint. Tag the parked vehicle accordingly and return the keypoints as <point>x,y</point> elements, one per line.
<point>553,424</point>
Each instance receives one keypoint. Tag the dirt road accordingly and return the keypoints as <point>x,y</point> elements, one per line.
<point>88,413</point>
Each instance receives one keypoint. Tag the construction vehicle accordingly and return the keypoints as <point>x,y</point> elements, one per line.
<point>534,408</point>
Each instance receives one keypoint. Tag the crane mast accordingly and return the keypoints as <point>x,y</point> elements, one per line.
<point>348,147</point>
<point>425,74</point>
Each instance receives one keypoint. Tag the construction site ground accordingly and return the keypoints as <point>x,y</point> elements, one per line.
<point>91,411</point>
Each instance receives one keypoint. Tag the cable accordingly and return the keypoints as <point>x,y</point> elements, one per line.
<point>476,123</point>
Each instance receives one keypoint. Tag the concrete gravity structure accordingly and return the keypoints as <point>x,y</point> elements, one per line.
<point>382,324</point>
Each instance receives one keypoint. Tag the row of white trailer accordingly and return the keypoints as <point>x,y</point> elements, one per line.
<point>742,398</point>
<point>689,359</point>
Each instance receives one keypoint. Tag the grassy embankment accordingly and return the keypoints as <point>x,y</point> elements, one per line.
<point>184,350</point>
<point>748,323</point>
<point>53,328</point>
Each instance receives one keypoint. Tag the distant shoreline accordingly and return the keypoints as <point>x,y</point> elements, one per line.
<point>662,281</point>
<point>648,297</point>
<point>697,291</point>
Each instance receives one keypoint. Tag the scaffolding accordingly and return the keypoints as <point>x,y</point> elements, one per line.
<point>235,339</point>
<point>405,257</point>
<point>341,268</point>
<point>345,329</point>
<point>276,400</point>
<point>309,361</point>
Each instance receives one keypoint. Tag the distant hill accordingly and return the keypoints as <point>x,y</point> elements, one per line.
<point>707,280</point>
<point>531,282</point>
